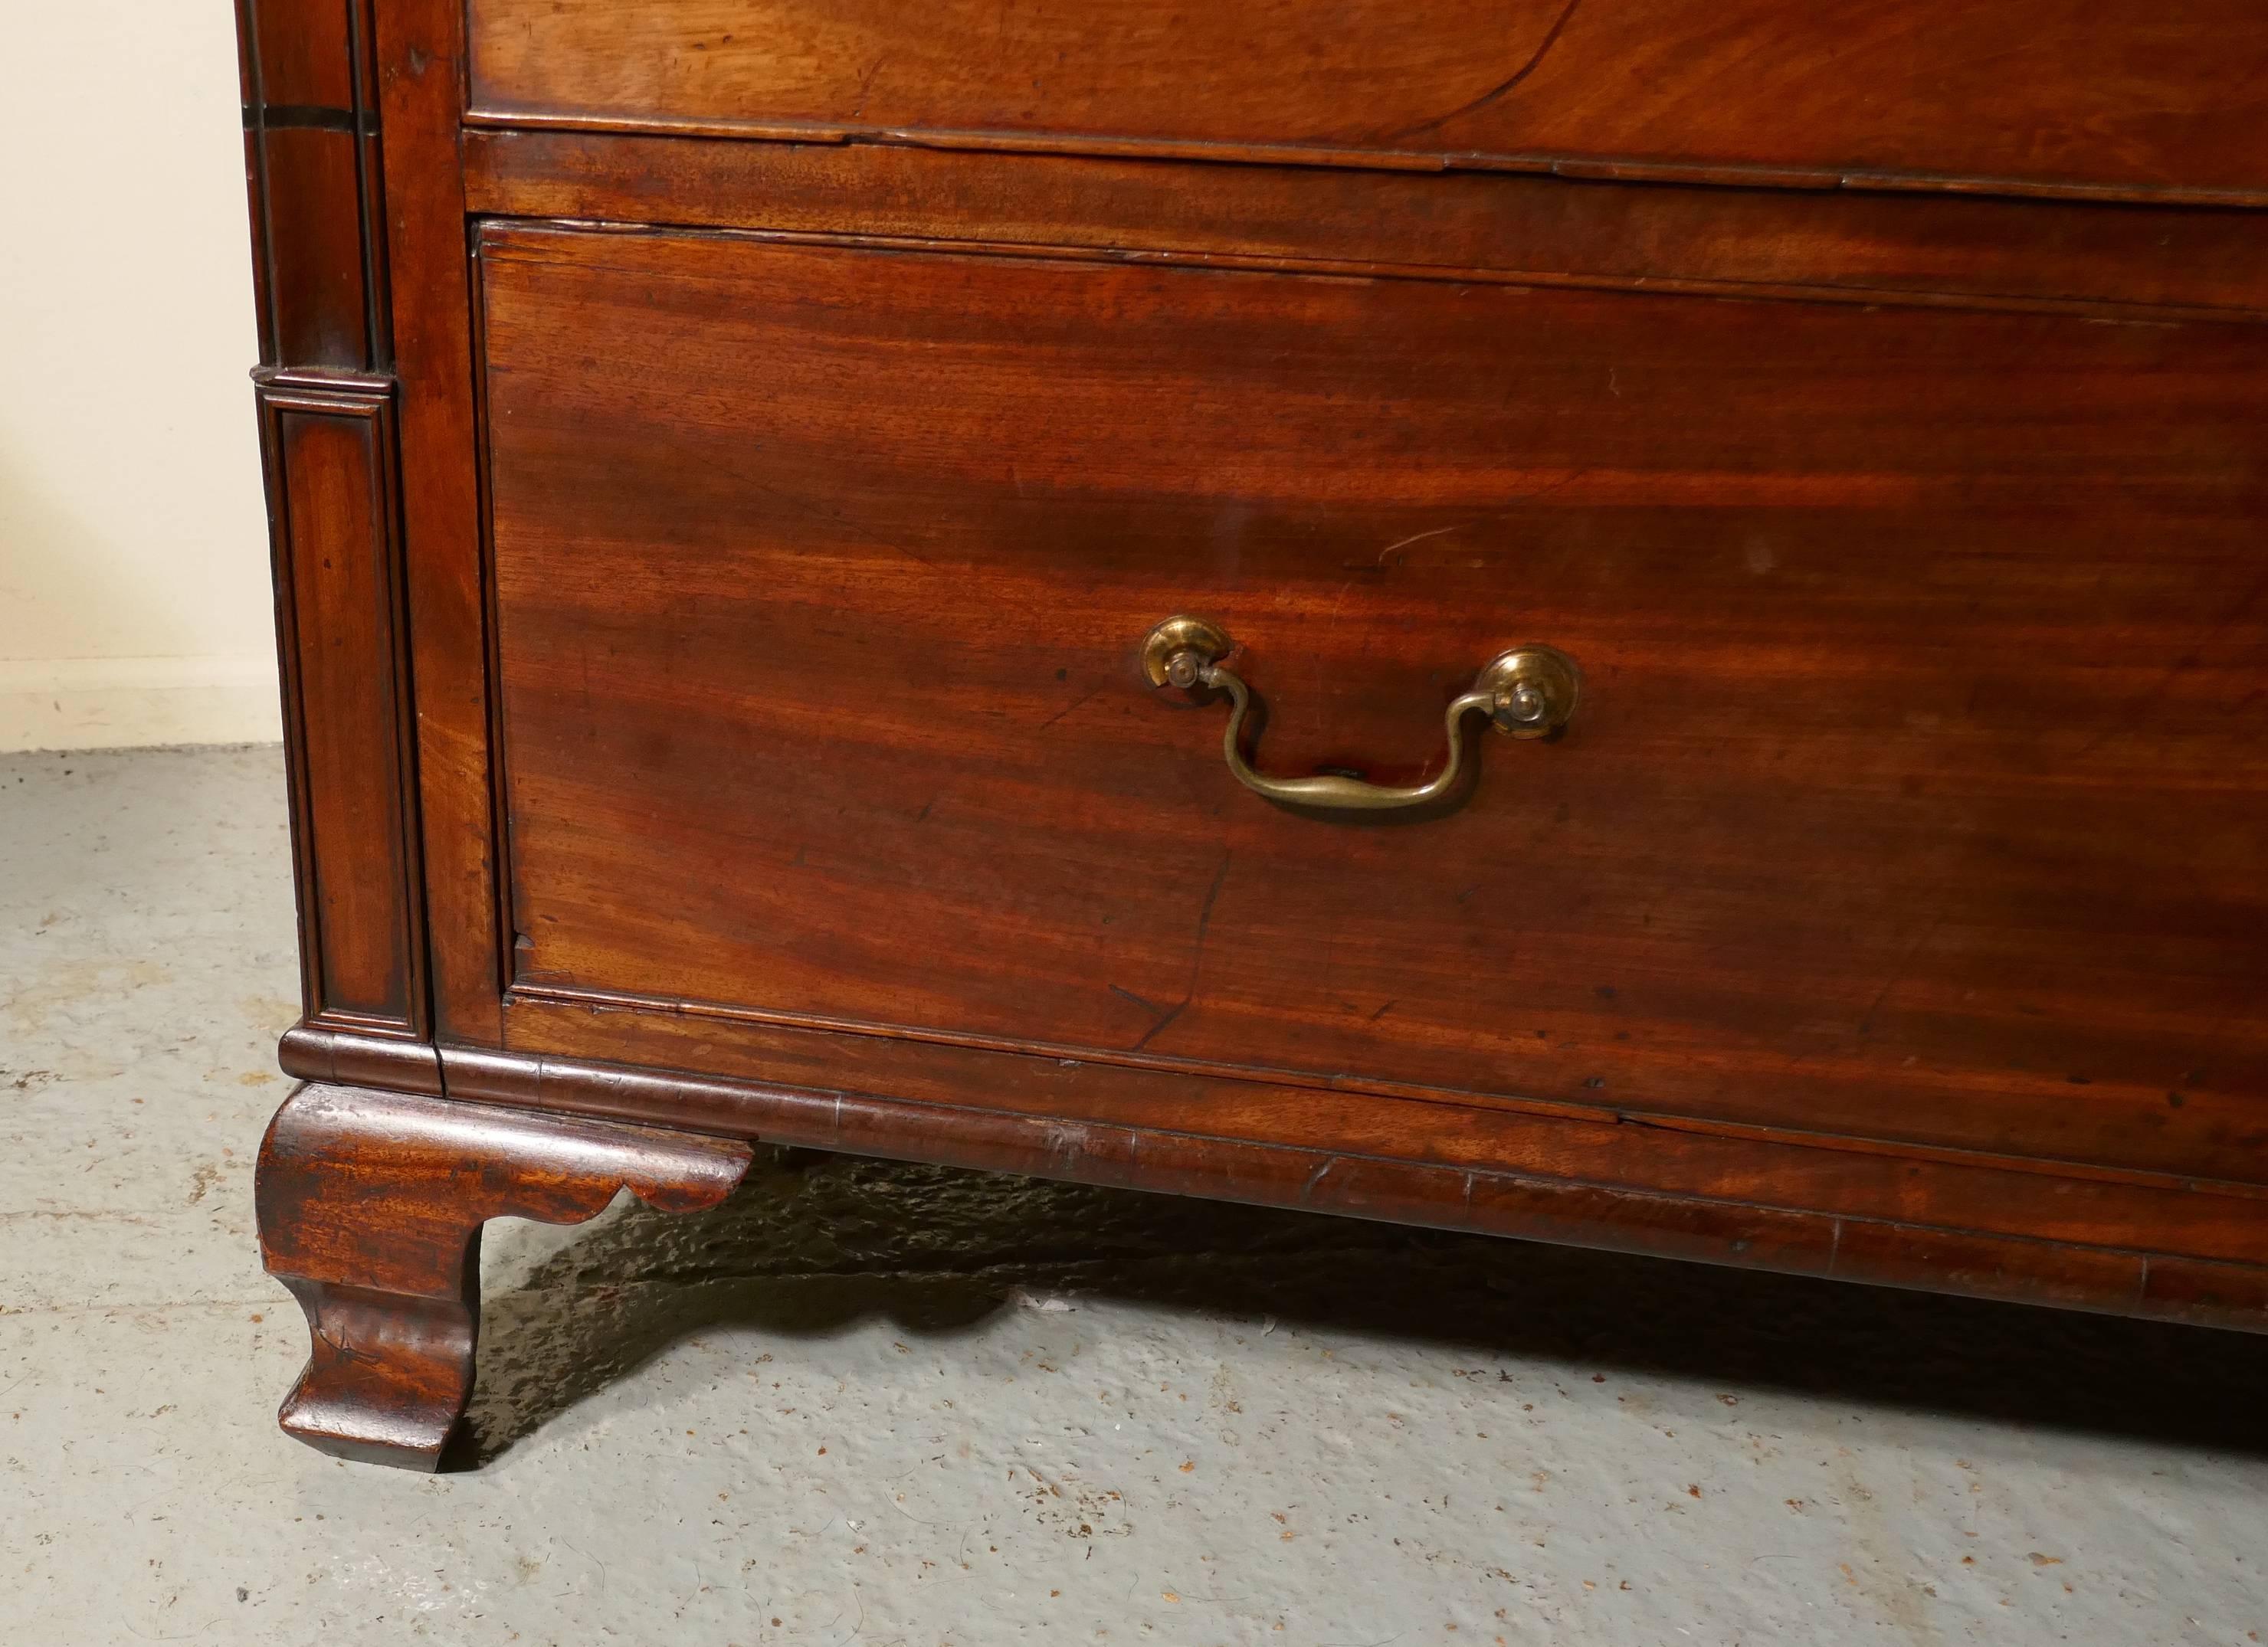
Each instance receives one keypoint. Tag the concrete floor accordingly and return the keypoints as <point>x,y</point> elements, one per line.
<point>886,1405</point>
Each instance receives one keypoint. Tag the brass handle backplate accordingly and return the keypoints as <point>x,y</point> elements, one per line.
<point>1528,692</point>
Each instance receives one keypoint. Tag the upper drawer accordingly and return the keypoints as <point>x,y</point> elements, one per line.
<point>2128,96</point>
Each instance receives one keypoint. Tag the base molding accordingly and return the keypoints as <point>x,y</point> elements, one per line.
<point>370,1206</point>
<point>359,1057</point>
<point>371,1202</point>
<point>1980,1227</point>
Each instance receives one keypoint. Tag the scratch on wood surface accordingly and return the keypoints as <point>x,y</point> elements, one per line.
<point>1899,973</point>
<point>1151,1033</point>
<point>1084,699</point>
<point>1146,1004</point>
<point>1419,537</point>
<point>1066,1142</point>
<point>1498,93</point>
<point>1196,958</point>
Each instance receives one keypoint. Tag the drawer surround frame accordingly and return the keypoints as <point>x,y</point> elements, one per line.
<point>400,358</point>
<point>1923,248</point>
<point>1566,167</point>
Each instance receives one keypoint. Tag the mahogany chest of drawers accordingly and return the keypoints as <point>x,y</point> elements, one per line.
<point>1626,622</point>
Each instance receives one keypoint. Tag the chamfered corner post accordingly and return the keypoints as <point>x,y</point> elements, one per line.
<point>371,1205</point>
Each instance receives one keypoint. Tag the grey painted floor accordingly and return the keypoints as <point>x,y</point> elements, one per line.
<point>876,1404</point>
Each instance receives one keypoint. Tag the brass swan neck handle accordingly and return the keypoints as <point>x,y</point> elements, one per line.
<point>1527,692</point>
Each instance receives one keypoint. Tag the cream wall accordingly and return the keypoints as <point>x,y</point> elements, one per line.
<point>134,604</point>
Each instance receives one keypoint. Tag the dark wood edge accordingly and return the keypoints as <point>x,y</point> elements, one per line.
<point>362,339</point>
<point>370,1206</point>
<point>325,388</point>
<point>328,363</point>
<point>1573,1211</point>
<point>1813,1171</point>
<point>369,180</point>
<point>419,77</point>
<point>305,916</point>
<point>557,996</point>
<point>358,1055</point>
<point>255,175</point>
<point>505,921</point>
<point>1604,167</point>
<point>508,211</point>
<point>369,398</point>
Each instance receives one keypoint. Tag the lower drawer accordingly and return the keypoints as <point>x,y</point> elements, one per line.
<point>1916,790</point>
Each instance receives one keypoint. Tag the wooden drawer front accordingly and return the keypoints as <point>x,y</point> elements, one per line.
<point>2129,95</point>
<point>1919,791</point>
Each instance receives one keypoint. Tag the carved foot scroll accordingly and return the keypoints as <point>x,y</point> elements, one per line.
<point>371,1207</point>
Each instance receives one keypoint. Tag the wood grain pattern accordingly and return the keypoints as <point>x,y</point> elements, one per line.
<point>1794,1208</point>
<point>307,54</point>
<point>2120,96</point>
<point>420,58</point>
<point>1843,247</point>
<point>329,448</point>
<point>1954,1191</point>
<point>1915,796</point>
<point>371,1207</point>
<point>320,300</point>
<point>690,1037</point>
<point>312,167</point>
<point>359,1055</point>
<point>710,649</point>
